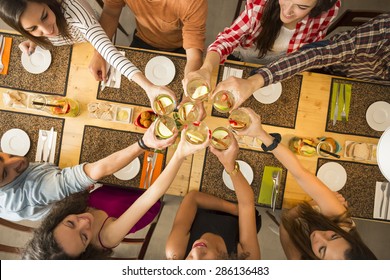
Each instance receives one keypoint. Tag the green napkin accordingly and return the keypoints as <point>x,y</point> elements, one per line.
<point>267,185</point>
<point>348,94</point>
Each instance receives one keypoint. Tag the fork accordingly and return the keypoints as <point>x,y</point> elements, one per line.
<point>343,114</point>
<point>2,47</point>
<point>149,162</point>
<point>44,138</point>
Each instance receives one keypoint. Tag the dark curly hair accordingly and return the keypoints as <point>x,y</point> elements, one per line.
<point>43,245</point>
<point>10,12</point>
<point>307,220</point>
<point>271,23</point>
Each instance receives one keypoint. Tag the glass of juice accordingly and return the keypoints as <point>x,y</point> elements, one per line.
<point>165,127</point>
<point>164,105</point>
<point>198,89</point>
<point>197,133</point>
<point>239,119</point>
<point>221,138</point>
<point>223,101</point>
<point>188,112</point>
<point>64,106</point>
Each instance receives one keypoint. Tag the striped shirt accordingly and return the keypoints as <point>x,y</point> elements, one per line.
<point>246,28</point>
<point>84,26</point>
<point>363,53</point>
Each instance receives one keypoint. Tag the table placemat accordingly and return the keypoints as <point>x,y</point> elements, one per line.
<point>31,124</point>
<point>100,142</point>
<point>131,93</point>
<point>363,95</point>
<point>19,78</point>
<point>281,113</point>
<point>213,184</point>
<point>359,189</point>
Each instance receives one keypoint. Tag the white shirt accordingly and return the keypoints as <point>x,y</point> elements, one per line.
<point>279,49</point>
<point>84,26</point>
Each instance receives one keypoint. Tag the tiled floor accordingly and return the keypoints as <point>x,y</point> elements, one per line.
<point>375,234</point>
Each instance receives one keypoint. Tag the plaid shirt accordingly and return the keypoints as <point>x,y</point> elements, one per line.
<point>363,53</point>
<point>247,27</point>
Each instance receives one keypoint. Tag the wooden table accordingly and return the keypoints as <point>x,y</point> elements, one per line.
<point>311,118</point>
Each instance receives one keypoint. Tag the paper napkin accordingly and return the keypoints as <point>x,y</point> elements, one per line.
<point>157,169</point>
<point>38,155</point>
<point>348,95</point>
<point>230,71</point>
<point>6,55</point>
<point>266,187</point>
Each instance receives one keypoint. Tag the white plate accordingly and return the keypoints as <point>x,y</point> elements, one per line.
<point>383,152</point>
<point>245,169</point>
<point>333,175</point>
<point>378,115</point>
<point>129,171</point>
<point>268,94</point>
<point>15,142</point>
<point>160,70</point>
<point>38,62</point>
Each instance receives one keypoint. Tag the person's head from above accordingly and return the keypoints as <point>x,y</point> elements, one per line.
<point>293,11</point>
<point>209,246</point>
<point>11,167</point>
<point>35,19</point>
<point>66,233</point>
<point>318,237</point>
<point>288,13</point>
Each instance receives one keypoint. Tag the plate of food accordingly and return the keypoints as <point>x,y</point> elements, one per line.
<point>333,175</point>
<point>15,142</point>
<point>268,94</point>
<point>160,70</point>
<point>245,169</point>
<point>129,171</point>
<point>37,62</point>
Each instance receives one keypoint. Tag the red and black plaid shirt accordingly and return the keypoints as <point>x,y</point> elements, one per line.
<point>363,53</point>
<point>246,28</point>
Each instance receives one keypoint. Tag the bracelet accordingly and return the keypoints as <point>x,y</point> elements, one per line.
<point>235,170</point>
<point>277,138</point>
<point>141,143</point>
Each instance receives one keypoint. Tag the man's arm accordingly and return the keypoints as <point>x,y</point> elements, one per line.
<point>194,60</point>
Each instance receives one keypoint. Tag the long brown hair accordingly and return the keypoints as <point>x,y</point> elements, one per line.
<point>271,23</point>
<point>308,220</point>
<point>10,12</point>
<point>43,245</point>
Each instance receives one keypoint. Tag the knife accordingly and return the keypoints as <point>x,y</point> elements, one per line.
<point>276,190</point>
<point>153,165</point>
<point>50,144</point>
<point>2,45</point>
<point>336,106</point>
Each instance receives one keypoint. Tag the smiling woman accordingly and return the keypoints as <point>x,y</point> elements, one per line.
<point>35,19</point>
<point>65,22</point>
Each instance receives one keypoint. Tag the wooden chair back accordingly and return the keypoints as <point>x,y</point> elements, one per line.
<point>13,249</point>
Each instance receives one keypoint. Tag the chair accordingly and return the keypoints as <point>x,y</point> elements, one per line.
<point>238,9</point>
<point>7,248</point>
<point>101,4</point>
<point>141,243</point>
<point>353,18</point>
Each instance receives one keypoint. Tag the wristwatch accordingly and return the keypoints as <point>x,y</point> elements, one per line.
<point>235,170</point>
<point>277,138</point>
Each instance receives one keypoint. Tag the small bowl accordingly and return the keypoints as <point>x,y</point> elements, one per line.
<point>137,121</point>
